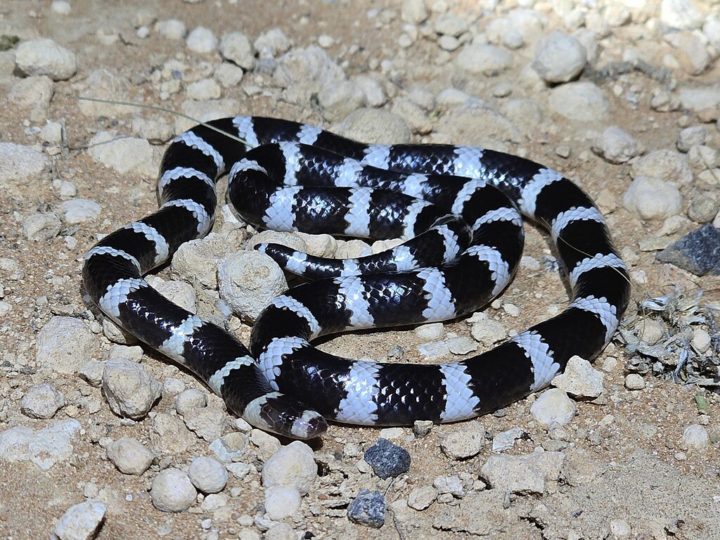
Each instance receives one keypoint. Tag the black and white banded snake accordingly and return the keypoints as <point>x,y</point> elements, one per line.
<point>463,207</point>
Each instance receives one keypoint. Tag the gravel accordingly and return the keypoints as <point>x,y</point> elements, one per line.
<point>387,460</point>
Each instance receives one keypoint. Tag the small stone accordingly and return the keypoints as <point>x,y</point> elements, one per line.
<point>481,59</point>
<point>61,7</point>
<point>431,331</point>
<point>41,227</point>
<point>19,162</point>
<point>464,443</point>
<point>43,56</point>
<point>80,210</point>
<point>450,485</point>
<point>228,75</point>
<point>691,136</point>
<point>620,529</point>
<point>64,344</point>
<point>461,345</point>
<point>580,101</point>
<point>696,437</point>
<point>130,456</point>
<point>487,331</point>
<point>553,408</point>
<point>171,29</point>
<point>271,43</point>
<point>559,58</point>
<point>368,508</point>
<point>81,521</point>
<point>664,164</point>
<point>633,381</point>
<point>204,89</point>
<point>652,198</point>
<point>201,40</point>
<point>422,497</point>
<point>375,126</point>
<point>580,379</point>
<point>703,207</point>
<point>387,459</point>
<point>697,252</point>
<point>617,145</point>
<point>421,428</point>
<point>206,422</point>
<point>281,502</point>
<point>129,389</point>
<point>236,47</point>
<point>525,474</point>
<point>701,340</point>
<point>292,465</point>
<point>123,154</point>
<point>44,447</point>
<point>189,399</point>
<point>208,474</point>
<point>682,14</point>
<point>414,11</point>
<point>172,491</point>
<point>505,440</point>
<point>42,401</point>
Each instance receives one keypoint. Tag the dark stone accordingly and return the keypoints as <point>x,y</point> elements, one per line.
<point>387,459</point>
<point>697,252</point>
<point>368,508</point>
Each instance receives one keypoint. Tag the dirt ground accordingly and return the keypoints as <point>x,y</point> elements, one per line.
<point>629,444</point>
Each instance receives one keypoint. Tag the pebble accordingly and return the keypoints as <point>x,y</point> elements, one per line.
<point>196,260</point>
<point>41,227</point>
<point>271,43</point>
<point>696,437</point>
<point>652,198</point>
<point>375,126</point>
<point>81,521</point>
<point>461,345</point>
<point>129,455</point>
<point>42,401</point>
<point>44,447</point>
<point>526,474</point>
<point>281,501</point>
<point>691,136</point>
<point>19,162</point>
<point>171,29</point>
<point>169,435</point>
<point>505,440</point>
<point>422,497</point>
<point>128,388</point>
<point>280,531</point>
<point>236,47</point>
<point>616,145</point>
<point>292,465</point>
<point>206,422</point>
<point>703,207</point>
<point>414,11</point>
<point>207,474</point>
<point>553,408</point>
<point>580,379</point>
<point>267,445</point>
<point>80,210</point>
<point>487,331</point>
<point>487,60</point>
<point>306,71</point>
<point>387,460</point>
<point>42,56</point>
<point>664,164</point>
<point>651,331</point>
<point>691,51</point>
<point>123,154</point>
<point>701,340</point>
<point>201,40</point>
<point>579,101</point>
<point>203,89</point>
<point>33,93</point>
<point>696,252</point>
<point>682,14</point>
<point>559,58</point>
<point>65,344</point>
<point>464,443</point>
<point>172,491</point>
<point>368,509</point>
<point>190,399</point>
<point>430,332</point>
<point>451,485</point>
<point>248,281</point>
<point>228,75</point>
<point>633,381</point>
<point>61,7</point>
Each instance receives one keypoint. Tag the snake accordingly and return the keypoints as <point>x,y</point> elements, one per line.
<point>458,214</point>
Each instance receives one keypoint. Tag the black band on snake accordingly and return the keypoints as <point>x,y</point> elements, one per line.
<point>459,208</point>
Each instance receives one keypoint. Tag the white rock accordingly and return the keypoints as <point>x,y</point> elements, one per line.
<point>616,145</point>
<point>80,210</point>
<point>449,484</point>
<point>522,474</point>
<point>701,340</point>
<point>204,89</point>
<point>129,389</point>
<point>414,11</point>
<point>64,344</point>
<point>109,85</point>
<point>19,162</point>
<point>559,58</point>
<point>248,281</point>
<point>487,331</point>
<point>208,474</point>
<point>43,56</point>
<point>178,292</point>
<point>81,521</point>
<point>33,93</point>
<point>236,47</point>
<point>201,40</point>
<point>450,24</point>
<point>341,99</point>
<point>372,89</point>
<point>464,443</point>
<point>41,227</point>
<point>633,381</point>
<point>580,379</point>
<point>691,136</point>
<point>206,422</point>
<point>505,440</point>
<point>374,126</point>
<point>652,198</point>
<point>422,497</point>
<point>281,501</point>
<point>292,465</point>
<point>430,331</point>
<point>267,445</point>
<point>697,98</point>
<point>271,43</point>
<point>696,437</point>
<point>61,7</point>
<point>172,491</point>
<point>171,29</point>
<point>190,399</point>
<point>278,531</point>
<point>580,101</point>
<point>129,455</point>
<point>44,447</point>
<point>169,435</point>
<point>553,408</point>
<point>123,154</point>
<point>691,51</point>
<point>205,111</point>
<point>484,59</point>
<point>228,75</point>
<point>668,165</point>
<point>42,401</point>
<point>680,14</point>
<point>306,71</point>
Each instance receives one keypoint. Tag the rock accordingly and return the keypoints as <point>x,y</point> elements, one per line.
<point>696,437</point>
<point>271,43</point>
<point>553,408</point>
<point>42,401</point>
<point>267,445</point>
<point>33,93</point>
<point>701,340</point>
<point>130,456</point>
<point>368,508</point>
<point>616,145</point>
<point>197,260</point>
<point>64,344</point>
<point>481,59</point>
<point>41,227</point>
<point>171,29</point>
<point>371,89</point>
<point>422,497</point>
<point>449,484</point>
<point>19,162</point>
<point>236,47</point>
<point>691,51</point>
<point>691,136</point>
<point>505,440</point>
<point>201,40</point>
<point>633,381</point>
<point>129,389</point>
<point>580,101</point>
<point>189,399</point>
<point>281,501</point>
<point>449,24</point>
<point>430,331</point>
<point>681,14</point>
<point>43,56</point>
<point>306,71</point>
<point>108,85</point>
<point>81,521</point>
<point>172,491</point>
<point>341,99</point>
<point>703,207</point>
<point>487,331</point>
<point>204,111</point>
<point>44,447</point>
<point>387,459</point>
<point>123,154</point>
<point>169,435</point>
<point>374,126</point>
<point>652,198</point>
<point>580,379</point>
<point>413,11</point>
<point>203,89</point>
<point>697,252</point>
<point>559,58</point>
<point>206,422</point>
<point>248,281</point>
<point>525,474</point>
<point>80,210</point>
<point>208,474</point>
<point>698,98</point>
<point>464,443</point>
<point>292,465</point>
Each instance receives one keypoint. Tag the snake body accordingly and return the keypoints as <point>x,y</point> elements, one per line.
<point>460,211</point>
